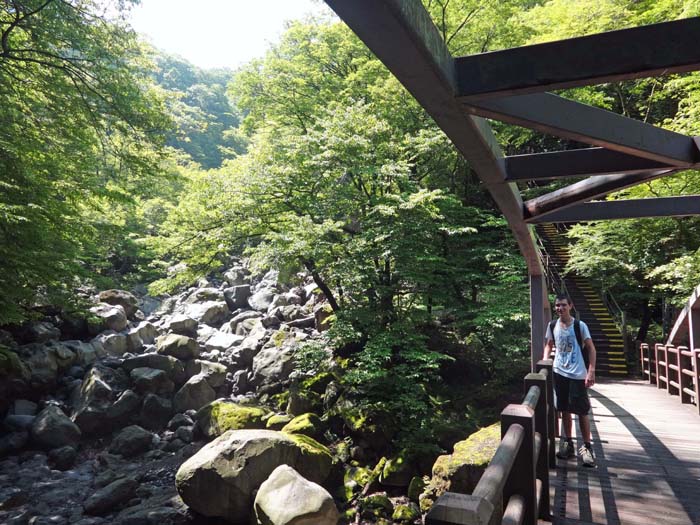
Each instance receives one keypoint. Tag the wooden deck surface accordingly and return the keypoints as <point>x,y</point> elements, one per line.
<point>647,446</point>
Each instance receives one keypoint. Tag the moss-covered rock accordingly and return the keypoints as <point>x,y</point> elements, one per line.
<point>415,488</point>
<point>301,401</point>
<point>398,470</point>
<point>308,424</point>
<point>377,505</point>
<point>219,416</point>
<point>354,480</point>
<point>11,367</point>
<point>461,470</point>
<point>278,421</point>
<point>406,513</point>
<point>317,383</point>
<point>314,451</point>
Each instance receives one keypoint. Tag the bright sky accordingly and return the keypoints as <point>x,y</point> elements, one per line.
<point>218,33</point>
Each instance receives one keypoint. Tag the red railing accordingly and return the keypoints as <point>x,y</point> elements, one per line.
<point>676,369</point>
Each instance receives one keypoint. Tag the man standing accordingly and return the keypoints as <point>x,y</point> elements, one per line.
<point>574,373</point>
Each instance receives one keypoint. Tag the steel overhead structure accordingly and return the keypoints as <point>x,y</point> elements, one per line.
<point>510,86</point>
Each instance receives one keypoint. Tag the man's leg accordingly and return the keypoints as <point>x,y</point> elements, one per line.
<point>566,425</point>
<point>585,425</point>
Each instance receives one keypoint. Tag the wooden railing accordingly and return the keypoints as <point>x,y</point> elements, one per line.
<point>514,489</point>
<point>677,369</point>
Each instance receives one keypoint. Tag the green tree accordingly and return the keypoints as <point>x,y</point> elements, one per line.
<point>80,132</point>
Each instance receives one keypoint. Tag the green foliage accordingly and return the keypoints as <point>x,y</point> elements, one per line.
<point>79,138</point>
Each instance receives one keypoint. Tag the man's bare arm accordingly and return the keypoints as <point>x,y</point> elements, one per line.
<point>547,349</point>
<point>590,376</point>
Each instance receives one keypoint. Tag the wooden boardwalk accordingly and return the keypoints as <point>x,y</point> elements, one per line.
<point>647,447</point>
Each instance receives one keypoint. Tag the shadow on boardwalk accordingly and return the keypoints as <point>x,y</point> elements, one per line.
<point>647,447</point>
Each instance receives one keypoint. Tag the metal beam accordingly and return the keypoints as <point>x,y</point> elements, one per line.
<point>404,38</point>
<point>625,209</point>
<point>585,190</point>
<point>575,121</point>
<point>575,163</point>
<point>659,49</point>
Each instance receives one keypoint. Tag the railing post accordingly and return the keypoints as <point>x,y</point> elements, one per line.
<point>658,348</point>
<point>541,455</point>
<point>685,381</point>
<point>643,349</point>
<point>696,370</point>
<point>546,364</point>
<point>460,509</point>
<point>522,480</point>
<point>671,385</point>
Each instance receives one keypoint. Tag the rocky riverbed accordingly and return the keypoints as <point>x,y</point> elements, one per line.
<point>189,410</point>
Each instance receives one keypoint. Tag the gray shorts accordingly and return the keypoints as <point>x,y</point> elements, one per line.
<point>571,395</point>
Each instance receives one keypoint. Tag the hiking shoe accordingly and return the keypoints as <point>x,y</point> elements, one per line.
<point>566,449</point>
<point>586,455</point>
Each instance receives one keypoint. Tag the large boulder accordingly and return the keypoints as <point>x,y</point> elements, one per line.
<point>122,298</point>
<point>286,498</point>
<point>107,498</point>
<point>181,324</point>
<point>151,381</point>
<point>131,441</point>
<point>137,337</point>
<point>108,317</point>
<point>194,394</point>
<point>205,294</point>
<point>155,412</point>
<point>53,429</point>
<point>222,341</point>
<point>215,373</point>
<point>43,331</point>
<point>220,480</point>
<point>461,470</point>
<point>112,343</point>
<point>85,353</point>
<point>221,416</point>
<point>212,313</point>
<point>178,346</point>
<point>42,364</point>
<point>237,296</point>
<point>170,365</point>
<point>102,402</point>
<point>272,366</point>
<point>262,299</point>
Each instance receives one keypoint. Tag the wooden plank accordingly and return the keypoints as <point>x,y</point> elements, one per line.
<point>648,461</point>
<point>576,163</point>
<point>658,49</point>
<point>624,209</point>
<point>572,120</point>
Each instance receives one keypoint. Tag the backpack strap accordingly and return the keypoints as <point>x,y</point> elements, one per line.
<point>552,325</point>
<point>584,350</point>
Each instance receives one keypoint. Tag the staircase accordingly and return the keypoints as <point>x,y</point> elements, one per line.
<point>605,333</point>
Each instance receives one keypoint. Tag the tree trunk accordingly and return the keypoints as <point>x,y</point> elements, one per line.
<point>644,325</point>
<point>311,267</point>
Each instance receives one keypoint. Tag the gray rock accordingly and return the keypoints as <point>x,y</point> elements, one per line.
<point>212,313</point>
<point>151,380</point>
<point>237,296</point>
<point>178,346</point>
<point>181,324</point>
<point>109,318</point>
<point>137,337</point>
<point>215,373</point>
<point>13,442</point>
<point>122,410</point>
<point>239,382</point>
<point>262,299</point>
<point>111,343</point>
<point>122,298</point>
<point>231,326</point>
<point>236,276</point>
<point>180,420</point>
<point>106,499</point>
<point>99,390</point>
<point>63,458</point>
<point>286,498</point>
<point>222,341</point>
<point>171,365</point>
<point>53,429</point>
<point>24,407</point>
<point>220,479</point>
<point>272,366</point>
<point>194,394</point>
<point>155,412</point>
<point>131,441</point>
<point>85,353</point>
<point>43,331</point>
<point>184,434</point>
<point>41,362</point>
<point>14,423</point>
<point>202,295</point>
